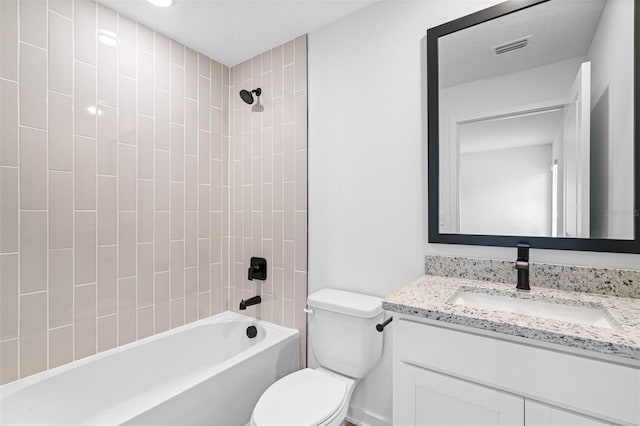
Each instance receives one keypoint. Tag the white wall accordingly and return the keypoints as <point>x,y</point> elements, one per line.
<point>506,191</point>
<point>612,83</point>
<point>367,157</point>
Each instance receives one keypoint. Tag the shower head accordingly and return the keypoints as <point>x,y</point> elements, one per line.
<point>247,96</point>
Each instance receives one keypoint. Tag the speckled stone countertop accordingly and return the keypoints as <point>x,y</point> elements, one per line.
<point>432,297</point>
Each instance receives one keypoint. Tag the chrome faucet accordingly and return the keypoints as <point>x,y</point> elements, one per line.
<point>522,265</point>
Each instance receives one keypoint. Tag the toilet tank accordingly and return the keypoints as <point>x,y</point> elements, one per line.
<point>342,331</point>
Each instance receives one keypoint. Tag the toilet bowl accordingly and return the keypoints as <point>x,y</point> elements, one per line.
<point>346,345</point>
<point>308,397</point>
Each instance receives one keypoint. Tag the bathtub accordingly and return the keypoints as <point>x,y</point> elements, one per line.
<point>204,373</point>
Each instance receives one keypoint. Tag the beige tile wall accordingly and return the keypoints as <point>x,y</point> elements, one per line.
<point>111,184</point>
<point>268,179</point>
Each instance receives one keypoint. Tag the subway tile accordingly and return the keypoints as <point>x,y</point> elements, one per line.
<point>216,134</point>
<point>267,160</point>
<point>288,52</point>
<point>8,123</point>
<point>33,251</point>
<point>301,120</point>
<point>62,7</point>
<point>161,119</point>
<point>8,296</point>
<point>276,72</point>
<point>107,280</point>
<point>288,88</point>
<point>126,310</point>
<point>9,39</point>
<point>60,346</point>
<point>108,141</point>
<point>33,169</point>
<point>127,33</point>
<point>300,181</point>
<point>204,66</point>
<point>8,357</point>
<point>60,54</point>
<point>145,322</point>
<point>161,301</point>
<point>84,321</point>
<point>177,269</point>
<point>191,295</point>
<point>161,242</point>
<point>301,241</point>
<point>126,244</point>
<point>204,262</point>
<point>85,247</point>
<point>177,313</point>
<point>190,127</point>
<point>145,274</point>
<point>9,210</point>
<point>191,74</point>
<point>204,193</point>
<point>145,211</point>
<point>216,185</point>
<point>289,152</point>
<point>33,86</point>
<point>60,132</point>
<point>204,305</point>
<point>107,332</point>
<point>145,83</point>
<point>85,109</point>
<point>177,94</point>
<point>191,239</point>
<point>216,85</point>
<point>204,141</point>
<point>33,23</point>
<point>289,211</point>
<point>277,125</point>
<point>145,39</point>
<point>204,93</point>
<point>177,53</point>
<point>300,62</point>
<point>191,183</point>
<point>107,210</point>
<point>177,153</point>
<point>162,61</point>
<point>126,110</point>
<point>107,59</point>
<point>177,211</point>
<point>84,173</point>
<point>145,147</point>
<point>60,210</point>
<point>127,177</point>
<point>84,21</point>
<point>216,237</point>
<point>162,181</point>
<point>33,333</point>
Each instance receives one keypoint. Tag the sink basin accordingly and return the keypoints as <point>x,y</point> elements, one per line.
<point>585,315</point>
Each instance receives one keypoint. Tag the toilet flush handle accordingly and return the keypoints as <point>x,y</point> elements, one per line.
<point>309,311</point>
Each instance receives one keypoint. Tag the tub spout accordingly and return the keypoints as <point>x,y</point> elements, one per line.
<point>250,302</point>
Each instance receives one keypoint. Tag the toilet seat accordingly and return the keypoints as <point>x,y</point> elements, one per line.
<point>305,398</point>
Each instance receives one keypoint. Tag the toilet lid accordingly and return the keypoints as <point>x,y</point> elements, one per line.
<point>304,398</point>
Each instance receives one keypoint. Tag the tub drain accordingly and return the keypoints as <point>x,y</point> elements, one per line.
<point>252,331</point>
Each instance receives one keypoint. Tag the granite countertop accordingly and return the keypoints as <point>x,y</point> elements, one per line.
<point>432,297</point>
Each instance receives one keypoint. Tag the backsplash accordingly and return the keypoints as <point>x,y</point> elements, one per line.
<point>612,282</point>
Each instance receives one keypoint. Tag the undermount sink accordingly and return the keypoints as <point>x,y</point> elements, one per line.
<point>585,315</point>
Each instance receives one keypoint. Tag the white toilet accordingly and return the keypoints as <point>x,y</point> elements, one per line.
<point>347,346</point>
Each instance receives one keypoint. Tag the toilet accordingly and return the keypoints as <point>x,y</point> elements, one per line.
<point>346,345</point>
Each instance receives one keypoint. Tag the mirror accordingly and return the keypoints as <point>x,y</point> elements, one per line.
<point>532,126</point>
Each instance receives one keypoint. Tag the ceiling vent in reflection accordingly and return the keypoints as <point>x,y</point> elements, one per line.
<point>510,46</point>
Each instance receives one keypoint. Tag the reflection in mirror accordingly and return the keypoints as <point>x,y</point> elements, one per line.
<point>536,123</point>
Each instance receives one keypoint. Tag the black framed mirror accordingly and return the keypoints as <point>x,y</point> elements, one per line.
<point>533,126</point>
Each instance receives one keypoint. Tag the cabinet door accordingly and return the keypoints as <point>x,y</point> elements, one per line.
<point>537,414</point>
<point>426,398</point>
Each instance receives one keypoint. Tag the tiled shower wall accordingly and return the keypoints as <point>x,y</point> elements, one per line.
<point>111,181</point>
<point>268,172</point>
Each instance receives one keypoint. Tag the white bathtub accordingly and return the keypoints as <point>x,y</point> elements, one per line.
<point>204,373</point>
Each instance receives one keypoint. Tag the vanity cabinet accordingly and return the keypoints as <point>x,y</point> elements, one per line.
<point>453,375</point>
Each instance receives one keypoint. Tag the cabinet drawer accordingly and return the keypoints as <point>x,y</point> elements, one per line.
<point>597,388</point>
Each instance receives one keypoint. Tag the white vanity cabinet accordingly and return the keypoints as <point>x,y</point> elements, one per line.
<point>453,375</point>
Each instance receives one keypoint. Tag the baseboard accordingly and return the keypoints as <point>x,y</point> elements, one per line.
<point>361,417</point>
